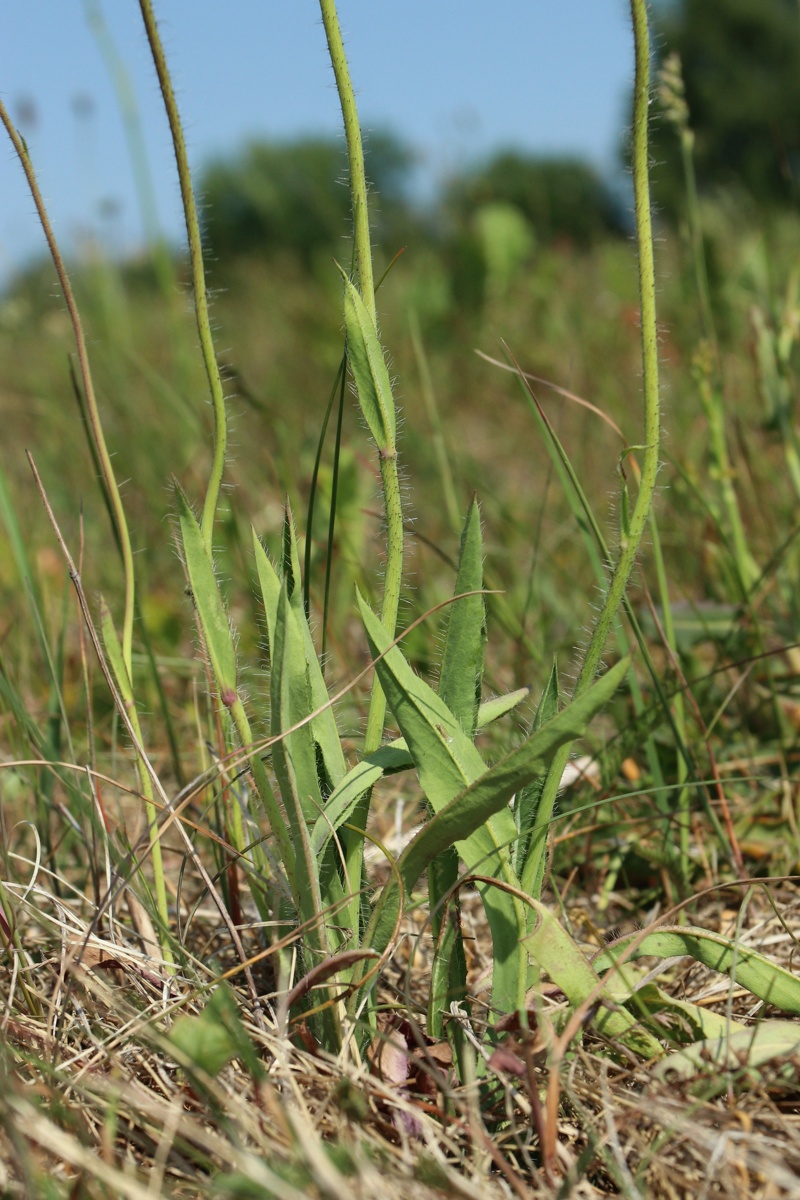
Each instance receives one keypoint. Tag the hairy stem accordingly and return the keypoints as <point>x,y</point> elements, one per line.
<point>533,875</point>
<point>198,274</point>
<point>355,154</point>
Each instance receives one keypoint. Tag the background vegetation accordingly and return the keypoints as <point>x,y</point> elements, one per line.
<point>692,793</point>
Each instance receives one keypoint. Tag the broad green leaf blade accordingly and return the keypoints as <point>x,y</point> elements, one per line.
<point>444,756</point>
<point>749,969</point>
<point>294,764</point>
<point>208,602</point>
<point>290,560</point>
<point>497,707</point>
<point>293,753</point>
<point>743,1052</point>
<point>565,963</point>
<point>340,804</point>
<point>470,811</point>
<point>323,726</point>
<point>465,642</point>
<point>627,985</point>
<point>369,370</point>
<point>270,585</point>
<point>447,762</point>
<point>317,885</point>
<point>699,1022</point>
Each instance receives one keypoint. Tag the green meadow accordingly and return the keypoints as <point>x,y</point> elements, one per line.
<point>400,684</point>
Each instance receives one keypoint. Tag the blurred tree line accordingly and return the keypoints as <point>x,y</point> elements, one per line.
<point>291,199</point>
<point>740,61</point>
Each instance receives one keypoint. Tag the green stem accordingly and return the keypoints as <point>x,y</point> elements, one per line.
<point>267,796</point>
<point>533,875</point>
<point>355,154</point>
<point>95,426</point>
<point>198,274</point>
<point>390,478</point>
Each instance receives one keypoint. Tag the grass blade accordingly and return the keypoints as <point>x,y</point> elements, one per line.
<point>208,602</point>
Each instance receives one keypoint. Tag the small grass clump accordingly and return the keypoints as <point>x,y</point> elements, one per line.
<point>251,951</point>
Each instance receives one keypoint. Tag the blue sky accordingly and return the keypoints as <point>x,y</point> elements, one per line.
<point>456,78</point>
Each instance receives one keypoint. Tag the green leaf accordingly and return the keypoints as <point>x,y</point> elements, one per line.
<point>445,758</point>
<point>293,753</point>
<point>208,602</point>
<point>700,1022</point>
<point>323,726</point>
<point>470,810</point>
<point>290,559</point>
<point>386,760</point>
<point>476,819</point>
<point>465,642</point>
<point>748,968</point>
<point>565,963</point>
<point>369,369</point>
<point>270,584</point>
<point>216,1036</point>
<point>526,804</point>
<point>447,762</point>
<point>742,1052</point>
<point>295,766</point>
<point>448,970</point>
<point>497,706</point>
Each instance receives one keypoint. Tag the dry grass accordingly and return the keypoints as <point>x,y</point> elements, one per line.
<point>99,1102</point>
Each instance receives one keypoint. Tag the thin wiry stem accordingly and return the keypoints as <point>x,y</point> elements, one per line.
<point>355,154</point>
<point>533,875</point>
<point>390,479</point>
<point>198,274</point>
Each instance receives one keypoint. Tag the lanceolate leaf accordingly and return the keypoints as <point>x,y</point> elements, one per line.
<point>369,369</point>
<point>447,762</point>
<point>444,755</point>
<point>270,584</point>
<point>294,762</point>
<point>389,760</point>
<point>739,1052</point>
<point>462,661</point>
<point>468,811</point>
<point>470,802</point>
<point>293,754</point>
<point>558,955</point>
<point>323,726</point>
<point>340,804</point>
<point>208,601</point>
<point>497,706</point>
<point>749,969</point>
<point>527,802</point>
